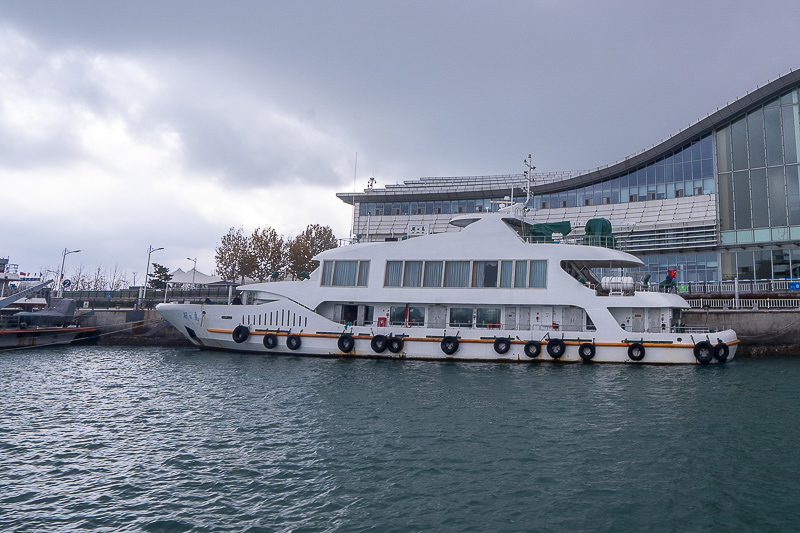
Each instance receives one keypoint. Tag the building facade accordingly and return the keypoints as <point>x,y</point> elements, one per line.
<point>719,200</point>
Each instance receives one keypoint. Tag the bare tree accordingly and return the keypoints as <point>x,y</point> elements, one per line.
<point>98,280</point>
<point>304,247</point>
<point>116,279</point>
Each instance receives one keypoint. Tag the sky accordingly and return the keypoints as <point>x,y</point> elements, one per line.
<point>126,125</point>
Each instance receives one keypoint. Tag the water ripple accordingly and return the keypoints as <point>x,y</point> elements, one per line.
<point>161,440</point>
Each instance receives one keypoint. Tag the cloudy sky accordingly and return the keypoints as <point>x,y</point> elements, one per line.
<point>165,123</point>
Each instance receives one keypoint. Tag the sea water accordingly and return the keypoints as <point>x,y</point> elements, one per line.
<point>176,439</point>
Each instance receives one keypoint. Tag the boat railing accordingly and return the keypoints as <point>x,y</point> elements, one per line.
<point>540,329</point>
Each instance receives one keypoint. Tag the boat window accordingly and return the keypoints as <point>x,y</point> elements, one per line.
<point>394,273</point>
<point>327,272</point>
<point>488,317</point>
<point>344,273</point>
<point>538,274</point>
<point>433,274</point>
<point>460,317</point>
<point>412,275</point>
<point>521,274</point>
<point>406,315</point>
<point>506,273</point>
<point>363,273</point>
<point>456,274</point>
<point>485,274</point>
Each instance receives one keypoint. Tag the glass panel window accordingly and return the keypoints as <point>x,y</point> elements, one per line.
<point>433,274</point>
<point>456,274</point>
<point>344,273</point>
<point>739,138</point>
<point>412,275</point>
<point>397,315</point>
<point>394,273</point>
<point>407,315</point>
<point>363,273</point>
<point>327,272</point>
<point>726,202</point>
<point>741,183</point>
<point>793,193</point>
<point>521,274</point>
<point>763,260</point>
<point>487,317</point>
<point>780,264</point>
<point>758,182</point>
<point>744,263</point>
<point>485,274</point>
<point>460,317</point>
<point>791,133</point>
<point>755,136</point>
<point>777,197</point>
<point>538,274</point>
<point>772,126</point>
<point>506,273</point>
<point>724,149</point>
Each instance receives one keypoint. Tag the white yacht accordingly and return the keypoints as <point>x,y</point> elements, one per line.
<point>483,293</point>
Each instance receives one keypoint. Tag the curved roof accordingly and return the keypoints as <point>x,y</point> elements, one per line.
<point>476,186</point>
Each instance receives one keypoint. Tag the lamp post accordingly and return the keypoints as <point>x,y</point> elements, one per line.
<point>194,270</point>
<point>64,255</point>
<point>150,250</point>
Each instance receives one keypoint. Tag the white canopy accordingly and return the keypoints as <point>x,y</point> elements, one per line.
<point>193,276</point>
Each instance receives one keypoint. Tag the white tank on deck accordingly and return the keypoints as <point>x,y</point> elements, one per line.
<point>617,283</point>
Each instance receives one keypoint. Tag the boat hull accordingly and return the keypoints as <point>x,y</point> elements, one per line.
<point>33,337</point>
<point>239,328</point>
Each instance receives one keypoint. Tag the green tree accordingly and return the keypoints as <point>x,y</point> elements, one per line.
<point>232,256</point>
<point>160,276</point>
<point>301,250</point>
<point>266,247</point>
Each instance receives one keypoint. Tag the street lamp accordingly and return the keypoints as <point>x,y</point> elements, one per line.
<point>150,250</point>
<point>64,255</point>
<point>194,270</point>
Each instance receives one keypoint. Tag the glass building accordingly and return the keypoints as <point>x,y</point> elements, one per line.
<point>718,200</point>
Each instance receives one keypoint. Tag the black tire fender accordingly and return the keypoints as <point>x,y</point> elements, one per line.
<point>395,344</point>
<point>703,352</point>
<point>533,349</point>
<point>293,342</point>
<point>379,343</point>
<point>449,345</point>
<point>556,348</point>
<point>636,351</point>
<point>240,334</point>
<point>502,345</point>
<point>270,341</point>
<point>346,343</point>
<point>721,352</point>
<point>586,351</point>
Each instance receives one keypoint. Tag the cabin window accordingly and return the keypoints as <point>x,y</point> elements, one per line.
<point>406,315</point>
<point>394,273</point>
<point>363,273</point>
<point>460,317</point>
<point>485,274</point>
<point>433,274</point>
<point>521,274</point>
<point>538,275</point>
<point>344,273</point>
<point>488,317</point>
<point>327,272</point>
<point>456,274</point>
<point>506,273</point>
<point>412,275</point>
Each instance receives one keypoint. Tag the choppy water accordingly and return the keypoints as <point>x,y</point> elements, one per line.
<point>132,439</point>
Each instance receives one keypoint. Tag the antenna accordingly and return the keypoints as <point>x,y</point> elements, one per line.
<point>529,177</point>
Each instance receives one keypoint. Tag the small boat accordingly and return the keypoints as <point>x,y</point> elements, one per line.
<point>28,322</point>
<point>487,292</point>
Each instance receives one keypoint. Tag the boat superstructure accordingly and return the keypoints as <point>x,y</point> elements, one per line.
<point>483,293</point>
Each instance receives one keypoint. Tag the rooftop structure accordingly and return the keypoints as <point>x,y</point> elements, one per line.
<point>718,200</point>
